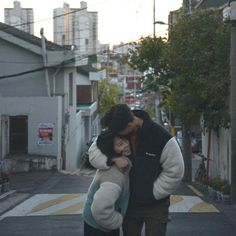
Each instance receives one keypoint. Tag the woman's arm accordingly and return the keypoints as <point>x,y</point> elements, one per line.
<point>103,206</point>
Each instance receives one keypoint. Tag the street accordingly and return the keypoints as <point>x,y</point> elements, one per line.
<point>54,205</point>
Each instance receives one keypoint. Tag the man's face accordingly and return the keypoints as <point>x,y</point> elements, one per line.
<point>130,128</point>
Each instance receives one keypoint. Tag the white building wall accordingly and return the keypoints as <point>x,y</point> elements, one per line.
<point>83,80</point>
<point>58,25</point>
<point>20,17</point>
<point>78,143</point>
<point>38,110</point>
<point>80,28</point>
<point>220,153</point>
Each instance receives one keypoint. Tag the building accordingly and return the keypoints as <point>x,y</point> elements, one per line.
<point>41,125</point>
<point>87,98</point>
<point>76,26</point>
<point>206,4</point>
<point>21,18</point>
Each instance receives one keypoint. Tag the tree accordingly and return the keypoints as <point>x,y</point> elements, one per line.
<point>191,70</point>
<point>148,56</point>
<point>198,56</point>
<point>108,95</point>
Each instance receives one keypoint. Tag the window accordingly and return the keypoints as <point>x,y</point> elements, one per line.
<point>70,89</point>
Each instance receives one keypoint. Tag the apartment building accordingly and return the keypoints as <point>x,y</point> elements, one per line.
<point>76,26</point>
<point>20,18</point>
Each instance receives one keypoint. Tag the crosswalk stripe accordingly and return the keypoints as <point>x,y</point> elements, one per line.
<point>203,207</point>
<point>198,193</point>
<point>76,208</point>
<point>189,204</point>
<point>55,201</point>
<point>50,210</point>
<point>61,204</point>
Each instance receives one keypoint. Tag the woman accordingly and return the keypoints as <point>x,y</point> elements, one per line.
<point>108,195</point>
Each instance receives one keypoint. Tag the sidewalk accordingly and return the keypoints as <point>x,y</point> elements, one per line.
<point>23,185</point>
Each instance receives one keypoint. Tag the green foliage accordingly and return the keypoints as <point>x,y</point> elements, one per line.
<point>92,59</point>
<point>147,57</point>
<point>226,188</point>
<point>150,109</point>
<point>215,183</point>
<point>198,57</point>
<point>191,70</point>
<point>108,95</point>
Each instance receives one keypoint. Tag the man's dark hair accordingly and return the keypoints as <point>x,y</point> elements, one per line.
<point>117,118</point>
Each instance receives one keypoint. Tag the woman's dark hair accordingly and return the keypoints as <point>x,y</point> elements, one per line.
<point>105,143</point>
<point>117,118</point>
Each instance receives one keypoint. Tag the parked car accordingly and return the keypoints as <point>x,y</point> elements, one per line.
<point>196,141</point>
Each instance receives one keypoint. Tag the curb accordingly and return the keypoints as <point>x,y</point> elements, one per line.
<point>7,194</point>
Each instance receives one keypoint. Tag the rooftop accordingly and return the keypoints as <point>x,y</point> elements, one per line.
<point>212,3</point>
<point>31,38</point>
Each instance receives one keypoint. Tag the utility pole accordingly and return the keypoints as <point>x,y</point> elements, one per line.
<point>154,18</point>
<point>233,99</point>
<point>44,52</point>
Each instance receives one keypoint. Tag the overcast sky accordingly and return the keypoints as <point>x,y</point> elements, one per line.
<point>118,20</point>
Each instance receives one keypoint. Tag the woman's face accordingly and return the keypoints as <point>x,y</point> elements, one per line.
<point>121,146</point>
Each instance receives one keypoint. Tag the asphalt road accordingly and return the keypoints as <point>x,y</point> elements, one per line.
<point>55,206</point>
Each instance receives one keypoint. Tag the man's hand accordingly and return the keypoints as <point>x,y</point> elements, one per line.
<point>121,163</point>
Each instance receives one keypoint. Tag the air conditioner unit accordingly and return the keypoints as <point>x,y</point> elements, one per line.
<point>226,14</point>
<point>233,11</point>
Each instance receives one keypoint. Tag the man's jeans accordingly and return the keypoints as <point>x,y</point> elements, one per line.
<point>155,218</point>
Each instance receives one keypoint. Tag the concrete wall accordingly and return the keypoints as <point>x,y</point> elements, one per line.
<point>18,60</point>
<point>38,110</point>
<point>83,80</point>
<point>220,154</point>
<point>27,95</point>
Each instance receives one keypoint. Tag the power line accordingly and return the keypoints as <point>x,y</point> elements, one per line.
<point>32,22</point>
<point>22,73</point>
<point>80,57</point>
<point>71,12</point>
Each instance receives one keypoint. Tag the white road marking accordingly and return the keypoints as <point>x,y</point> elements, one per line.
<point>61,204</point>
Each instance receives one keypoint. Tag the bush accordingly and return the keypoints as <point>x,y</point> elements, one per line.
<point>216,183</point>
<point>226,188</point>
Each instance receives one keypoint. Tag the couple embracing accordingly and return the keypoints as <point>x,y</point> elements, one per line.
<point>139,166</point>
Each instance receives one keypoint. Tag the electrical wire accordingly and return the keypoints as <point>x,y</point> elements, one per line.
<point>80,57</point>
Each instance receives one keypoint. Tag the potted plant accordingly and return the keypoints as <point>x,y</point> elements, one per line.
<point>225,192</point>
<point>211,191</point>
<point>6,181</point>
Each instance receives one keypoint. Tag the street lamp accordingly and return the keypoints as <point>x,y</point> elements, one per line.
<point>154,18</point>
<point>229,15</point>
<point>232,19</point>
<point>160,23</point>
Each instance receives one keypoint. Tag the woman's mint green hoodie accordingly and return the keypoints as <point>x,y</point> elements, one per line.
<point>107,199</point>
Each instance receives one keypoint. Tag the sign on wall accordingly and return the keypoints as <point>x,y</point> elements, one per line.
<point>45,134</point>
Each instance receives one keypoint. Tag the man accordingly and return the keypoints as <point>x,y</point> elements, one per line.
<point>157,169</point>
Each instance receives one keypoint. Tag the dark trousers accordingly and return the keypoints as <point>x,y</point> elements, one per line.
<point>91,231</point>
<point>154,217</point>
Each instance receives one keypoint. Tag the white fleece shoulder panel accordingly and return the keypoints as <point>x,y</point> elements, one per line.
<point>173,170</point>
<point>96,158</point>
<point>103,206</point>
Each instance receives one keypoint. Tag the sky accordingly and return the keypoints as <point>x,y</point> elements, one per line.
<point>118,20</point>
